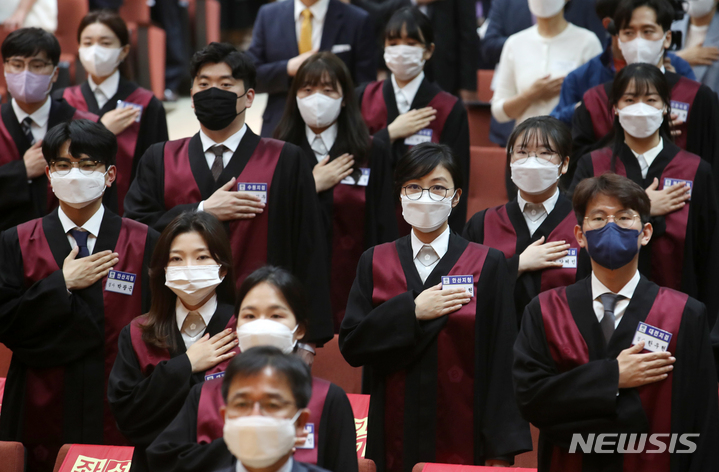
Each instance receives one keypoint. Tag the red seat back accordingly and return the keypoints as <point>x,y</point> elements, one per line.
<point>487,188</point>
<point>13,456</point>
<point>365,465</point>
<point>330,365</point>
<point>5,358</point>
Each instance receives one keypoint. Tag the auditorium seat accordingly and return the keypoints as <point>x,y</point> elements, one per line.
<point>13,457</point>
<point>61,457</point>
<point>330,365</point>
<point>148,46</point>
<point>365,465</point>
<point>430,467</point>
<point>204,22</point>
<point>5,357</point>
<point>479,113</point>
<point>529,459</point>
<point>487,188</point>
<point>70,13</point>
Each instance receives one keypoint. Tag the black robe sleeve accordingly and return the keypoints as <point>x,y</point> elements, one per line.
<point>337,448</point>
<point>144,406</point>
<point>584,170</point>
<point>176,449</point>
<point>43,324</point>
<point>583,142</point>
<point>145,200</point>
<point>702,123</point>
<point>380,220</point>
<point>150,242</point>
<point>153,129</point>
<point>14,192</point>
<point>455,134</point>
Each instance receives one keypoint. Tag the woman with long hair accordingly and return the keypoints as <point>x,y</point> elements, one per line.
<point>188,333</point>
<point>684,250</point>
<point>353,173</point>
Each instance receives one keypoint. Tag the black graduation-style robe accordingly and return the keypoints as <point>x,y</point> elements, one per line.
<point>439,387</point>
<point>147,390</point>
<point>356,218</point>
<point>683,253</point>
<point>505,228</point>
<point>64,344</point>
<point>566,381</point>
<point>174,177</point>
<point>180,449</point>
<point>450,127</point>
<point>593,121</point>
<point>134,141</point>
<point>21,200</point>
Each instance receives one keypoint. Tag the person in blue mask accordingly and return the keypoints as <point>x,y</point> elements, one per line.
<point>606,356</point>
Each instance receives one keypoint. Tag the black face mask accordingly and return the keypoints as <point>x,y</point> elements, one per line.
<point>216,108</point>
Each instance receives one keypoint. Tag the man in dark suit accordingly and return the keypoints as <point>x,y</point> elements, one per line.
<point>264,390</point>
<point>285,36</point>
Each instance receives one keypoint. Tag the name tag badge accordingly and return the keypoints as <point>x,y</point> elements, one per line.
<point>459,281</point>
<point>681,109</point>
<point>121,104</point>
<point>668,182</point>
<point>363,179</point>
<point>120,282</point>
<point>258,190</point>
<point>655,339</point>
<point>570,260</point>
<point>217,375</point>
<point>310,441</point>
<point>422,136</point>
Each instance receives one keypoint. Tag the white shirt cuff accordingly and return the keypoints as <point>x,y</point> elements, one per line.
<point>498,111</point>
<point>201,206</point>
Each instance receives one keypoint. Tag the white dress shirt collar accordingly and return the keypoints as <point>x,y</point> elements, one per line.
<point>39,118</point>
<point>440,244</point>
<point>598,288</point>
<point>548,204</point>
<point>205,311</point>
<point>108,87</point>
<point>318,10</point>
<point>409,91</point>
<point>92,225</point>
<point>231,143</point>
<point>648,157</point>
<point>328,136</point>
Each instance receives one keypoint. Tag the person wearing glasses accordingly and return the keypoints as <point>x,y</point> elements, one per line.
<point>431,316</point>
<point>616,354</point>
<point>535,231</point>
<point>69,283</point>
<point>30,58</point>
<point>684,252</point>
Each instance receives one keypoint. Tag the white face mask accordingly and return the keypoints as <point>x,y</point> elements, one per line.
<point>318,110</point>
<point>266,333</point>
<point>533,177</point>
<point>405,62</point>
<point>545,8</point>
<point>259,441</point>
<point>99,60</point>
<point>699,8</point>
<point>426,214</point>
<point>193,283</point>
<point>77,189</point>
<point>642,50</point>
<point>640,120</point>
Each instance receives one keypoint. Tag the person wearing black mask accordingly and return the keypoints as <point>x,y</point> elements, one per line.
<point>262,189</point>
<point>609,356</point>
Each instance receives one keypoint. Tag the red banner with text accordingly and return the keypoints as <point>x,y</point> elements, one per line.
<point>360,408</point>
<point>89,458</point>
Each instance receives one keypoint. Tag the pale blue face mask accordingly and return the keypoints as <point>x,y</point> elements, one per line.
<point>612,246</point>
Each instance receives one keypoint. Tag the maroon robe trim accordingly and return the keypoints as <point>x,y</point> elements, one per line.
<point>210,423</point>
<point>499,233</point>
<point>667,249</point>
<point>7,144</point>
<point>180,185</point>
<point>684,91</point>
<point>455,361</point>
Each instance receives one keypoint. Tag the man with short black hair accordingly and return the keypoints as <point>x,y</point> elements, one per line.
<point>69,282</point>
<point>616,355</point>
<point>261,188</point>
<point>30,59</point>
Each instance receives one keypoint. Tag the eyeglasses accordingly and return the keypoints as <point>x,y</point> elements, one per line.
<point>269,407</point>
<point>36,66</point>
<point>436,192</point>
<point>63,166</point>
<point>548,158</point>
<point>624,219</point>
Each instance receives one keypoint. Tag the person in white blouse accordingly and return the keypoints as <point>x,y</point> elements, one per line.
<point>535,61</point>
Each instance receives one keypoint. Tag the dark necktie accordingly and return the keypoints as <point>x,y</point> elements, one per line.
<point>609,300</point>
<point>219,164</point>
<point>81,240</point>
<point>27,130</point>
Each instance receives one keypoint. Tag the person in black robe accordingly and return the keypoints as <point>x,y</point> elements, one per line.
<point>426,114</point>
<point>439,356</point>
<point>695,106</point>
<point>616,356</point>
<point>684,252</point>
<point>352,172</point>
<point>70,282</point>
<point>24,188</point>
<point>193,441</point>
<point>131,112</point>
<point>263,189</point>
<point>535,231</point>
<point>160,356</point>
